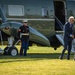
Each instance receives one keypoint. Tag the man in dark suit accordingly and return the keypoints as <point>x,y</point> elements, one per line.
<point>68,36</point>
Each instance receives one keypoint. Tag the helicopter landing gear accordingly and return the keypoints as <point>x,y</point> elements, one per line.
<point>13,51</point>
<point>10,49</point>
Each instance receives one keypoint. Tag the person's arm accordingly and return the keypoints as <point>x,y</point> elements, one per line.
<point>28,31</point>
<point>67,31</point>
<point>19,31</point>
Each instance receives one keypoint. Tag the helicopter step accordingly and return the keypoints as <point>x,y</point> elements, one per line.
<point>60,38</point>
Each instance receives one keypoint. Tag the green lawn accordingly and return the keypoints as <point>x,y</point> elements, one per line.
<point>39,61</point>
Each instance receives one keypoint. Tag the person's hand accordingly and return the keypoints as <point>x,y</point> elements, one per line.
<point>72,36</point>
<point>19,40</point>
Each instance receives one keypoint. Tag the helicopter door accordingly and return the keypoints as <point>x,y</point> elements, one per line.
<point>59,8</point>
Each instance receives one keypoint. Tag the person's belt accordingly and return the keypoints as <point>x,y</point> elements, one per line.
<point>24,33</point>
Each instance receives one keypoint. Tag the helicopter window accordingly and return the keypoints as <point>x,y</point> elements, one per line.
<point>44,12</point>
<point>16,10</point>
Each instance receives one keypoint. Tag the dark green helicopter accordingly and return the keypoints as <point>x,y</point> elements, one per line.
<point>46,19</point>
<point>8,32</point>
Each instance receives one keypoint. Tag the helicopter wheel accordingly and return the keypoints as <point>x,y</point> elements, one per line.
<point>13,51</point>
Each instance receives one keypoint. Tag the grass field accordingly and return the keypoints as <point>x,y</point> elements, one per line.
<point>39,61</point>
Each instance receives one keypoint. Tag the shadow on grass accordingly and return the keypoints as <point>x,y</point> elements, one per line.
<point>31,57</point>
<point>34,55</point>
<point>44,55</point>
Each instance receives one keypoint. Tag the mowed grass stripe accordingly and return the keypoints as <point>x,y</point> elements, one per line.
<point>39,61</point>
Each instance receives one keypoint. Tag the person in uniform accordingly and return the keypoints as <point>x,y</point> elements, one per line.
<point>68,37</point>
<point>23,34</point>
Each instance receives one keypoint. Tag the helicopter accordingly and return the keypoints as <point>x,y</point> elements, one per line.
<point>9,32</point>
<point>48,17</point>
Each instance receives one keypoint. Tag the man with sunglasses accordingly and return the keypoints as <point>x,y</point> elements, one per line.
<point>23,34</point>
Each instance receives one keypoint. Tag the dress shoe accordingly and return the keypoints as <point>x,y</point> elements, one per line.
<point>60,58</point>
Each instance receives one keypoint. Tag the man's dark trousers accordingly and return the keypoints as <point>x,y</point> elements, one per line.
<point>67,46</point>
<point>24,46</point>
